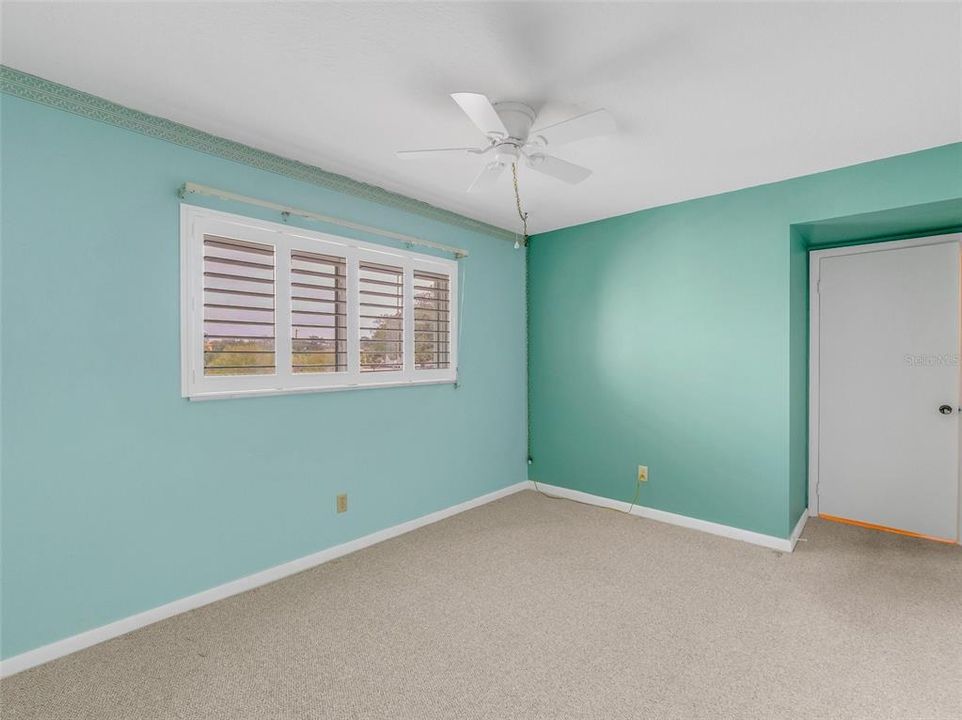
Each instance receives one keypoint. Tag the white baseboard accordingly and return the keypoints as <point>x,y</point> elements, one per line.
<point>769,541</point>
<point>799,526</point>
<point>72,644</point>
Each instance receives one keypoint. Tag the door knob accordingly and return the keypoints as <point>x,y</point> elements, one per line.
<point>945,409</point>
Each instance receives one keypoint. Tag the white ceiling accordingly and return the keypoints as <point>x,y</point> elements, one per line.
<point>709,97</point>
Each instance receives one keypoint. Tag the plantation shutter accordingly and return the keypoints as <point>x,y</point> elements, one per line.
<point>318,312</point>
<point>269,309</point>
<point>381,311</point>
<point>432,320</point>
<point>239,299</point>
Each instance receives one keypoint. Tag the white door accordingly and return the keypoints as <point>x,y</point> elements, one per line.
<point>888,386</point>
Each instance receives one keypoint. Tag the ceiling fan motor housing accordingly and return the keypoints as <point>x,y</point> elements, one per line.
<point>517,118</point>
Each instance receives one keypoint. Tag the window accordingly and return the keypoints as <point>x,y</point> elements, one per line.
<point>268,308</point>
<point>381,290</point>
<point>238,307</point>
<point>432,316</point>
<point>318,312</point>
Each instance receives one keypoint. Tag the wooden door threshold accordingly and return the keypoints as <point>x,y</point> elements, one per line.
<point>884,528</point>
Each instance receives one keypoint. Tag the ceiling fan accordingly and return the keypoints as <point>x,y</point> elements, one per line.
<point>507,127</point>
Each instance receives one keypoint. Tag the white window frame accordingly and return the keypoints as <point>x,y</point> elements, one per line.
<point>196,222</point>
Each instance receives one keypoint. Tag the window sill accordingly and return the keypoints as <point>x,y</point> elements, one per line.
<point>198,397</point>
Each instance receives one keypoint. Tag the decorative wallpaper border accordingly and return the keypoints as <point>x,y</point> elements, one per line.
<point>36,89</point>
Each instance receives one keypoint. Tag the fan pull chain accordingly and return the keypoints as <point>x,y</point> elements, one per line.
<point>521,214</point>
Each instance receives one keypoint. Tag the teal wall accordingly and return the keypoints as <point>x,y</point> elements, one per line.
<point>677,338</point>
<point>117,494</point>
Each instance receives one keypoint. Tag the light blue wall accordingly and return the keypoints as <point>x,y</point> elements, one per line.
<point>677,338</point>
<point>117,494</point>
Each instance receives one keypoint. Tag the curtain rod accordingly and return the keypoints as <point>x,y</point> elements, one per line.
<point>195,189</point>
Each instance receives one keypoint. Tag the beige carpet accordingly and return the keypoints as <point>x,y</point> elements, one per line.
<point>538,608</point>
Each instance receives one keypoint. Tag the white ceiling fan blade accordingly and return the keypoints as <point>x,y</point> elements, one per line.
<point>482,113</point>
<point>434,152</point>
<point>558,168</point>
<point>596,122</point>
<point>487,177</point>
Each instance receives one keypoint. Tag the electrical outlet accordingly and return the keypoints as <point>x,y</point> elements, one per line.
<point>642,473</point>
<point>342,503</point>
